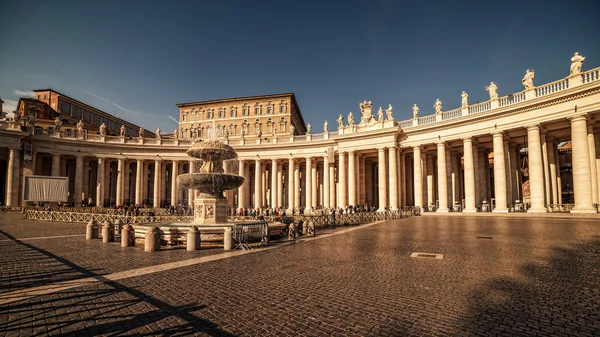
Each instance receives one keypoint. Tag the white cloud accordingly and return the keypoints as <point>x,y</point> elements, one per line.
<point>26,93</point>
<point>173,119</point>
<point>132,112</point>
<point>9,105</point>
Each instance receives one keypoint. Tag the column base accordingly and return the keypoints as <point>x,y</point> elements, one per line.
<point>502,210</point>
<point>540,210</point>
<point>469,210</point>
<point>442,210</point>
<point>382,210</point>
<point>584,210</point>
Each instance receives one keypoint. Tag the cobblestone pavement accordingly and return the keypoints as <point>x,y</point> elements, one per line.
<point>498,276</point>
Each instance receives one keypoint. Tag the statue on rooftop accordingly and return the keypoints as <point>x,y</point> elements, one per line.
<point>176,134</point>
<point>415,111</point>
<point>465,99</point>
<point>57,123</point>
<point>122,131</point>
<point>80,126</point>
<point>350,119</point>
<point>380,114</point>
<point>141,132</point>
<point>158,133</point>
<point>340,122</point>
<point>528,79</point>
<point>438,106</point>
<point>576,63</point>
<point>388,113</point>
<point>493,90</point>
<point>325,126</point>
<point>102,129</point>
<point>308,129</point>
<point>292,130</point>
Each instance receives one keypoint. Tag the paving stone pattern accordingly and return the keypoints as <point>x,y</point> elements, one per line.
<point>535,277</point>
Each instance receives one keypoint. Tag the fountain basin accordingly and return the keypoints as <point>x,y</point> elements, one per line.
<point>210,183</point>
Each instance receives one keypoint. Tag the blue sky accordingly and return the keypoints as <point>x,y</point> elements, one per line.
<point>140,58</point>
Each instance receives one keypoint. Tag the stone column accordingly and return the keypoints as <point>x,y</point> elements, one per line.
<point>139,170</point>
<point>56,165</point>
<point>120,176</point>
<point>100,183</point>
<point>332,193</point>
<point>593,171</point>
<point>552,162</point>
<point>536,169</point>
<point>508,169</point>
<point>393,180</point>
<point>85,193</point>
<point>382,181</point>
<point>157,183</point>
<point>558,179</point>
<point>418,177</point>
<point>279,185</point>
<point>273,201</point>
<point>410,194</point>
<point>515,172</point>
<point>326,195</point>
<point>78,181</point>
<point>430,188</point>
<point>597,157</point>
<point>547,191</point>
<point>470,205</point>
<point>582,179</point>
<point>257,184</point>
<point>403,187</point>
<point>441,179</point>
<point>145,181</point>
<point>290,186</point>
<point>308,186</point>
<point>297,187</point>
<point>241,192</point>
<point>174,174</point>
<point>342,181</point>
<point>12,177</point>
<point>351,178</point>
<point>454,184</point>
<point>313,179</point>
<point>499,172</point>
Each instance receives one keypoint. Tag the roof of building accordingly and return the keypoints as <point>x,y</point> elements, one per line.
<point>238,99</point>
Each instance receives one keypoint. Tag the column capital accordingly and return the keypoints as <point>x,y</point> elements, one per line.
<point>498,133</point>
<point>467,139</point>
<point>417,147</point>
<point>440,143</point>
<point>580,117</point>
<point>381,149</point>
<point>531,127</point>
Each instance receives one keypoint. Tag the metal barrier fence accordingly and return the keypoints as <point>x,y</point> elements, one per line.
<point>243,232</point>
<point>99,217</point>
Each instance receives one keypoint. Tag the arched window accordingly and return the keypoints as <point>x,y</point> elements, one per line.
<point>200,114</point>
<point>193,115</point>
<point>221,112</point>
<point>210,114</point>
<point>282,107</point>
<point>245,110</point>
<point>233,112</point>
<point>232,129</point>
<point>183,113</point>
<point>257,109</point>
<point>270,108</point>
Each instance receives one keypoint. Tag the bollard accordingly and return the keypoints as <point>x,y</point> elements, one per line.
<point>193,239</point>
<point>227,239</point>
<point>312,229</point>
<point>152,239</point>
<point>118,226</point>
<point>292,231</point>
<point>107,233</point>
<point>91,230</point>
<point>305,230</point>
<point>127,236</point>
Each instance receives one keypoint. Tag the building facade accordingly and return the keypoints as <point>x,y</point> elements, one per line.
<point>475,157</point>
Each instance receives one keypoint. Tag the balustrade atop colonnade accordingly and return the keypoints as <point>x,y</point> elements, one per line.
<point>467,156</point>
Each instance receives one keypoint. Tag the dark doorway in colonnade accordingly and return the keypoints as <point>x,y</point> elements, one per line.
<point>3,172</point>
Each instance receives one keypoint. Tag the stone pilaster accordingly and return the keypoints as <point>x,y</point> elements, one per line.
<point>308,186</point>
<point>326,195</point>
<point>382,185</point>
<point>12,177</point>
<point>120,178</point>
<point>297,186</point>
<point>441,179</point>
<point>313,179</point>
<point>257,184</point>
<point>351,178</point>
<point>332,191</point>
<point>342,181</point>
<point>273,200</point>
<point>290,186</point>
<point>279,185</point>
<point>499,172</point>
<point>157,182</point>
<point>470,205</point>
<point>241,189</point>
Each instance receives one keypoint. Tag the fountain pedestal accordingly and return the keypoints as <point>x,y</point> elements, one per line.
<point>210,210</point>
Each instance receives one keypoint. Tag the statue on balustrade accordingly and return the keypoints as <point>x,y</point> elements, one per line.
<point>388,113</point>
<point>176,134</point>
<point>350,119</point>
<point>576,63</point>
<point>528,79</point>
<point>292,130</point>
<point>158,133</point>
<point>80,126</point>
<point>465,99</point>
<point>438,106</point>
<point>141,132</point>
<point>308,129</point>
<point>122,131</point>
<point>340,122</point>
<point>380,114</point>
<point>493,90</point>
<point>415,111</point>
<point>326,126</point>
<point>57,123</point>
<point>365,109</point>
<point>102,129</point>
